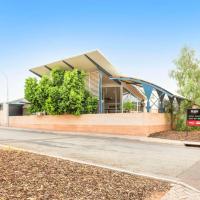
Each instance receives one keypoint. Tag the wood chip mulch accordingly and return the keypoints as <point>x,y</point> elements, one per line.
<point>30,176</point>
<point>178,135</point>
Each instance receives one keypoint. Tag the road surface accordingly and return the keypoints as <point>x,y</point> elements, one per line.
<point>163,160</point>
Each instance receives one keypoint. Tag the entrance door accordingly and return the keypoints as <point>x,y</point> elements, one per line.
<point>112,101</point>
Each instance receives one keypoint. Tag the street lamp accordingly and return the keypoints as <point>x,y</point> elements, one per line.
<point>7,98</point>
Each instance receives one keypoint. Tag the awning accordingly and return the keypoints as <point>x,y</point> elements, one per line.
<point>94,60</point>
<point>90,61</point>
<point>142,83</point>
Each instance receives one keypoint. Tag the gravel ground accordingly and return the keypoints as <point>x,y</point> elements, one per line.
<point>178,135</point>
<point>30,176</point>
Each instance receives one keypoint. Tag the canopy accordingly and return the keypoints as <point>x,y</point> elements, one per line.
<point>143,83</point>
<point>90,61</point>
<point>94,60</point>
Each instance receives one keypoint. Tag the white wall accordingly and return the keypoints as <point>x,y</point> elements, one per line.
<point>3,115</point>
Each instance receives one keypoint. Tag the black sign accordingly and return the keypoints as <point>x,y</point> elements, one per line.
<point>193,117</point>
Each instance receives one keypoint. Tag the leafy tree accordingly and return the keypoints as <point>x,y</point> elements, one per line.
<point>73,91</point>
<point>90,103</point>
<point>31,86</point>
<point>42,91</point>
<point>52,103</point>
<point>187,76</point>
<point>61,92</point>
<point>57,77</point>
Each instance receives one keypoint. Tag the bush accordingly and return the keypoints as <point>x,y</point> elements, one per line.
<point>61,92</point>
<point>181,116</point>
<point>90,103</point>
<point>128,106</point>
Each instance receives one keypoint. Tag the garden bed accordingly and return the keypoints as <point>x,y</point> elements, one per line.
<point>30,176</point>
<point>178,135</point>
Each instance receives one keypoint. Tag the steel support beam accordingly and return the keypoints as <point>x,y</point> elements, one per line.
<point>140,82</point>
<point>66,63</point>
<point>100,68</point>
<point>100,92</point>
<point>47,67</point>
<point>148,91</point>
<point>161,96</point>
<point>121,98</point>
<point>171,100</point>
<point>35,73</point>
<point>97,65</point>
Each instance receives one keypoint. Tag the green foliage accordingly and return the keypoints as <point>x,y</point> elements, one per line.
<point>57,77</point>
<point>128,106</point>
<point>181,116</point>
<point>90,103</point>
<point>52,103</point>
<point>73,92</point>
<point>187,76</point>
<point>42,91</point>
<point>61,92</point>
<point>31,86</point>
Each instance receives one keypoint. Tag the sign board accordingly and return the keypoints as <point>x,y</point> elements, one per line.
<point>193,117</point>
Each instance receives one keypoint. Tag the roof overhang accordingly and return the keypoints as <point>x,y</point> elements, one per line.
<point>140,82</point>
<point>95,60</point>
<point>89,62</point>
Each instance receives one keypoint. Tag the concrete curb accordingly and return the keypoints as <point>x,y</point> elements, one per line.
<point>172,181</point>
<point>192,144</point>
<point>104,135</point>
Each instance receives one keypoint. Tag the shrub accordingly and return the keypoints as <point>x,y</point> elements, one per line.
<point>128,106</point>
<point>61,92</point>
<point>181,116</point>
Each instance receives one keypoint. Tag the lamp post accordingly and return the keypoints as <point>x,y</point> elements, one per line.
<point>7,98</point>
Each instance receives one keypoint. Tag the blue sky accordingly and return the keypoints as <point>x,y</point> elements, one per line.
<point>141,38</point>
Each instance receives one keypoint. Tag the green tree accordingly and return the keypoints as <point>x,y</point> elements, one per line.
<point>61,92</point>
<point>57,77</point>
<point>73,91</point>
<point>90,103</point>
<point>42,92</point>
<point>31,90</point>
<point>52,103</point>
<point>187,76</point>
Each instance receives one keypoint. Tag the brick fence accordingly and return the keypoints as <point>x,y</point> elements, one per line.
<point>118,123</point>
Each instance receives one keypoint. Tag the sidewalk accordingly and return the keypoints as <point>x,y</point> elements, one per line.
<point>179,192</point>
<point>152,157</point>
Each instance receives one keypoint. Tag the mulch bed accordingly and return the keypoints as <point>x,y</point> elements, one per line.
<point>31,176</point>
<point>178,135</point>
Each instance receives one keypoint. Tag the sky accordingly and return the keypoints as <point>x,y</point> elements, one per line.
<point>140,38</point>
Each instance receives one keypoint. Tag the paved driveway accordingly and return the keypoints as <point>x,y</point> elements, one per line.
<point>162,160</point>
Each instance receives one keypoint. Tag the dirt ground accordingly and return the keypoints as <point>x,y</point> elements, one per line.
<point>178,135</point>
<point>30,176</point>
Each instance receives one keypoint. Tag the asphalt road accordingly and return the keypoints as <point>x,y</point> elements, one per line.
<point>163,160</point>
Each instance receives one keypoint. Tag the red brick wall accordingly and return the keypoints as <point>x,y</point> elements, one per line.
<point>120,123</point>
